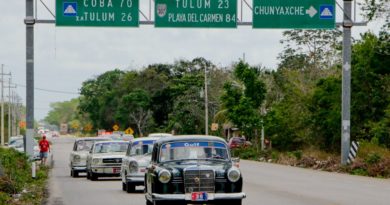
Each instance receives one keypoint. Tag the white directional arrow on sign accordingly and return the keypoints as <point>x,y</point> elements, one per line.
<point>311,11</point>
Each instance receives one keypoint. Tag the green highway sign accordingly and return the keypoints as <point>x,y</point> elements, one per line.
<point>196,13</point>
<point>294,14</point>
<point>114,13</point>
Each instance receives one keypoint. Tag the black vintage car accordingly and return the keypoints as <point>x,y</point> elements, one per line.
<point>194,170</point>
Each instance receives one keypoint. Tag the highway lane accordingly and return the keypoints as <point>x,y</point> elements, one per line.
<point>264,183</point>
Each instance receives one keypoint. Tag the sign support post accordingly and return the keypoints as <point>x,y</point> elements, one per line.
<point>346,83</point>
<point>29,21</point>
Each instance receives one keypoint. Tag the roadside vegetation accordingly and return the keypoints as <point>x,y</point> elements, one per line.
<point>17,187</point>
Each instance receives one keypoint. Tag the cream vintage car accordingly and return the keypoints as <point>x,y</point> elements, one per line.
<point>135,162</point>
<point>78,156</point>
<point>105,159</point>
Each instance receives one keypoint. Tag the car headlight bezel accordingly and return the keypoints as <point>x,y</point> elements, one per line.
<point>133,167</point>
<point>95,161</point>
<point>234,175</point>
<point>164,176</point>
<point>76,158</point>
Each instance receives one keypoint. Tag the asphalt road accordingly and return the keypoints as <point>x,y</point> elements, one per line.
<point>264,183</point>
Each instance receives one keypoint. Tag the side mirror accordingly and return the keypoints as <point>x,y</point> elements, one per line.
<point>236,161</point>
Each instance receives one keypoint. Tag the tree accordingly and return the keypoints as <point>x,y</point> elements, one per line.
<point>62,112</point>
<point>370,83</point>
<point>325,114</point>
<point>135,107</point>
<point>242,99</point>
<point>99,98</point>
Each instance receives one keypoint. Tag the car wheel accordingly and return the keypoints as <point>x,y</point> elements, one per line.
<point>75,173</point>
<point>123,186</point>
<point>148,202</point>
<point>88,175</point>
<point>130,188</point>
<point>93,176</point>
<point>71,172</point>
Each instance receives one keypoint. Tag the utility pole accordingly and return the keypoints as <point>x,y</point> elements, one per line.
<point>9,109</point>
<point>206,103</point>
<point>2,104</point>
<point>30,22</point>
<point>346,82</point>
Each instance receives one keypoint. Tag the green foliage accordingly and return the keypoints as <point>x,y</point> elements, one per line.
<point>16,176</point>
<point>326,109</point>
<point>370,88</point>
<point>360,172</point>
<point>242,101</point>
<point>373,158</point>
<point>62,112</point>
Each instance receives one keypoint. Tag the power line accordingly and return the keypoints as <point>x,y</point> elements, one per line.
<point>52,91</point>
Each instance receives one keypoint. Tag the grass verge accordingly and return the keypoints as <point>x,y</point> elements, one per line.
<point>17,187</point>
<point>372,160</point>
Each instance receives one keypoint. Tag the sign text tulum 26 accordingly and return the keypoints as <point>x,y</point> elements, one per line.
<point>115,13</point>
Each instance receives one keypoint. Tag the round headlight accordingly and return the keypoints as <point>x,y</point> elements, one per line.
<point>76,158</point>
<point>164,176</point>
<point>234,174</point>
<point>95,161</point>
<point>133,167</point>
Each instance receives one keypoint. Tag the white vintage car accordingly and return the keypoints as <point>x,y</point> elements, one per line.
<point>105,159</point>
<point>134,164</point>
<point>78,156</point>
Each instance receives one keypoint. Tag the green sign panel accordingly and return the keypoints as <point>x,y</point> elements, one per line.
<point>115,13</point>
<point>294,14</point>
<point>196,13</point>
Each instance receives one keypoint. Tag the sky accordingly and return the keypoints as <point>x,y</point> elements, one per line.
<point>67,56</point>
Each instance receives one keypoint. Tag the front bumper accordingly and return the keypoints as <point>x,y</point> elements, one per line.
<point>80,168</point>
<point>187,197</point>
<point>111,170</point>
<point>135,179</point>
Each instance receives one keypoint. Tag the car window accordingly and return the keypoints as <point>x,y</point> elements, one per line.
<point>108,147</point>
<point>83,145</point>
<point>193,150</point>
<point>141,147</point>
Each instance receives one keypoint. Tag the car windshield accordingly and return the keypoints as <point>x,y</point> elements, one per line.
<point>108,147</point>
<point>84,145</point>
<point>141,147</point>
<point>16,143</point>
<point>193,151</point>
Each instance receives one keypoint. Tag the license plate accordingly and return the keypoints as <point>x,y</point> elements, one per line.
<point>199,196</point>
<point>142,170</point>
<point>116,170</point>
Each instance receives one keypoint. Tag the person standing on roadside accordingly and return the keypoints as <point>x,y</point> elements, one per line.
<point>44,149</point>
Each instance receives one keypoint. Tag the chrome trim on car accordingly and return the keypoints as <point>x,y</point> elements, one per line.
<point>187,197</point>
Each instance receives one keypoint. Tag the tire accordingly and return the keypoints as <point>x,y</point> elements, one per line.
<point>123,186</point>
<point>88,175</point>
<point>74,173</point>
<point>94,177</point>
<point>130,188</point>
<point>148,202</point>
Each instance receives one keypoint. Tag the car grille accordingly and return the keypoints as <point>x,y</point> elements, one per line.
<point>199,181</point>
<point>113,160</point>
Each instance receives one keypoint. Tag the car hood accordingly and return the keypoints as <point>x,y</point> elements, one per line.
<point>142,160</point>
<point>109,155</point>
<point>178,167</point>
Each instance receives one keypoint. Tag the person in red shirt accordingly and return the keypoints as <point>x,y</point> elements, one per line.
<point>44,148</point>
